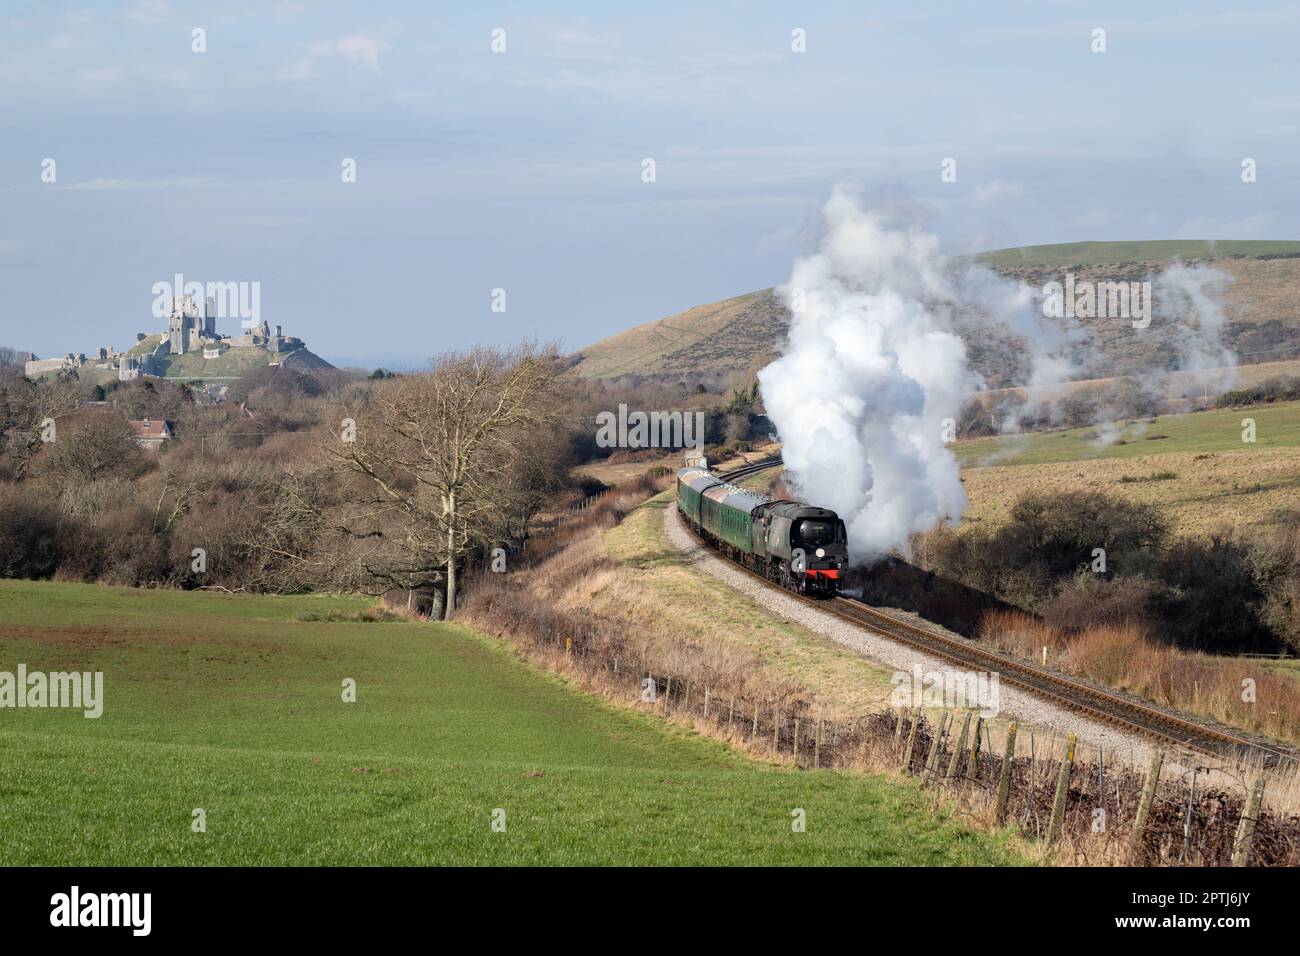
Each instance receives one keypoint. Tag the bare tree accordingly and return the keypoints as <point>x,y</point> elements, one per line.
<point>446,451</point>
<point>25,407</point>
<point>91,447</point>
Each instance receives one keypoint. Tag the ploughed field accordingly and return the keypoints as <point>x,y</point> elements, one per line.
<point>233,704</point>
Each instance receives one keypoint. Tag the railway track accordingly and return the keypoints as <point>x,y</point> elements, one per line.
<point>1099,704</point>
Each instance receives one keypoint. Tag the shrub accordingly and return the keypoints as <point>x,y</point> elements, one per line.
<point>32,535</point>
<point>1089,600</point>
<point>1212,598</point>
<point>1060,531</point>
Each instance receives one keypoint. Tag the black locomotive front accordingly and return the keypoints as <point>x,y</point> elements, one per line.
<point>808,546</point>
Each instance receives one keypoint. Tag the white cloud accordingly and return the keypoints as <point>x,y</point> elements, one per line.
<point>1092,219</point>
<point>996,191</point>
<point>357,48</point>
<point>105,75</point>
<point>148,11</point>
<point>189,182</point>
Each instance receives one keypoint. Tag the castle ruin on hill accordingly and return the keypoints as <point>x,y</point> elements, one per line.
<point>190,328</point>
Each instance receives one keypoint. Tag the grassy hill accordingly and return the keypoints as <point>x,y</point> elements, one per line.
<point>233,704</point>
<point>746,332</point>
<point>230,365</point>
<point>235,363</point>
<point>754,326</point>
<point>1156,250</point>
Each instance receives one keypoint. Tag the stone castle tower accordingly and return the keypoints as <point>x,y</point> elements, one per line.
<point>188,324</point>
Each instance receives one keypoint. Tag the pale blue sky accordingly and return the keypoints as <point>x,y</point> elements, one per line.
<point>522,170</point>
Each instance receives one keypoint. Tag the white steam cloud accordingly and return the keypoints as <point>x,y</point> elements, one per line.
<point>874,374</point>
<point>1190,299</point>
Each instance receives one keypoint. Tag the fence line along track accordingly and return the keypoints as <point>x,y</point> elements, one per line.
<point>1101,705</point>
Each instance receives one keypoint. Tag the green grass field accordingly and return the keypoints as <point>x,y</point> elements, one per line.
<point>233,705</point>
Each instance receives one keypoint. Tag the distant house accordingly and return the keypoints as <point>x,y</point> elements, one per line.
<point>151,434</point>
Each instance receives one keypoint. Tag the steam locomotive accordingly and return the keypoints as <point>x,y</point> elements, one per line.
<point>796,545</point>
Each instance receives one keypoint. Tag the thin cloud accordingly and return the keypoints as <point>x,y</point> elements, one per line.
<point>357,48</point>
<point>986,194</point>
<point>187,182</point>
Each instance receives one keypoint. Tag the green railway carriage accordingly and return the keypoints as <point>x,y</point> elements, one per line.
<point>722,510</point>
<point>691,484</point>
<point>728,514</point>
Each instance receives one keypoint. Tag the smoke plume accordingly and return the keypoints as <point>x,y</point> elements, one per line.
<point>868,391</point>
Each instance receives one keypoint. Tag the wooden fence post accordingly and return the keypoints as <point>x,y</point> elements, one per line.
<point>1062,790</point>
<point>1246,828</point>
<point>1004,776</point>
<point>911,739</point>
<point>796,741</point>
<point>936,741</point>
<point>973,759</point>
<point>1187,818</point>
<point>898,726</point>
<point>706,703</point>
<point>1144,805</point>
<point>817,746</point>
<point>960,747</point>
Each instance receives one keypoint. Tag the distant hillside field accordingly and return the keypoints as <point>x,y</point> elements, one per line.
<point>233,704</point>
<point>1195,467</point>
<point>721,339</point>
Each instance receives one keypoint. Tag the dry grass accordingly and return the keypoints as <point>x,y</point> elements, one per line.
<point>1208,491</point>
<point>1124,656</point>
<point>610,576</point>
